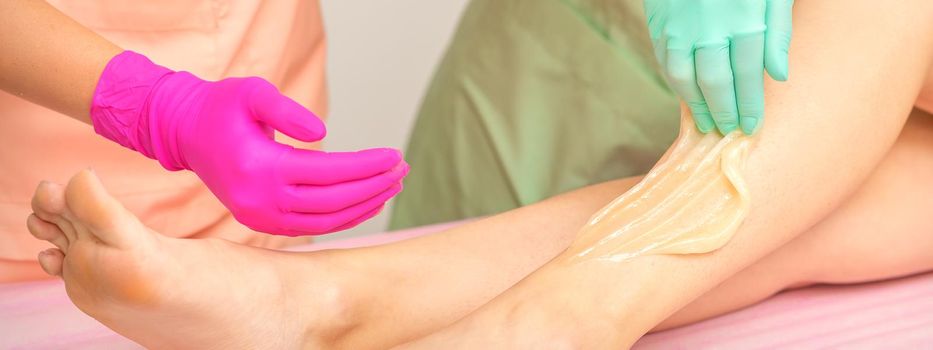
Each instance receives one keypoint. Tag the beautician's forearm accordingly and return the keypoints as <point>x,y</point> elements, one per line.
<point>50,59</point>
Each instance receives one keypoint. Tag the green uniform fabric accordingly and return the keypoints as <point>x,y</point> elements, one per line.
<point>535,98</point>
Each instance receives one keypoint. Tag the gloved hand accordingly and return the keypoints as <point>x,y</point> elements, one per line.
<point>714,53</point>
<point>223,131</point>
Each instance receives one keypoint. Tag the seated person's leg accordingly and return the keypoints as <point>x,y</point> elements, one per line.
<point>142,284</point>
<point>821,141</point>
<point>882,231</point>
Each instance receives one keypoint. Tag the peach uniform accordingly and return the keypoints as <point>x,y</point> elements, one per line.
<point>279,40</point>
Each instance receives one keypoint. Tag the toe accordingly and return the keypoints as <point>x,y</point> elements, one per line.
<point>51,261</point>
<point>95,209</point>
<point>47,231</point>
<point>48,204</point>
<point>48,201</point>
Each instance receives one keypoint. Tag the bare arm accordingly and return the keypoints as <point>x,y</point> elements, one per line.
<point>50,59</point>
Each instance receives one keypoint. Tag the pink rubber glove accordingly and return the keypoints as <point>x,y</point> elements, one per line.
<point>223,132</point>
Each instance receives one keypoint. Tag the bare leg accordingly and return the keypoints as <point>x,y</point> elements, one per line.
<point>823,139</point>
<point>197,293</point>
<point>890,211</point>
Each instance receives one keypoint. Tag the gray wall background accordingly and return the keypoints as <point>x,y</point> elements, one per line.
<point>382,54</point>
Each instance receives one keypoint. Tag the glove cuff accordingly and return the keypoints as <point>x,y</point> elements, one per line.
<point>120,109</point>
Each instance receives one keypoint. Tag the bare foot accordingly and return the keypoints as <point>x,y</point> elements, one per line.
<point>181,293</point>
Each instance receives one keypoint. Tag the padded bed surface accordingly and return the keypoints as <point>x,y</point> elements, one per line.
<point>895,314</point>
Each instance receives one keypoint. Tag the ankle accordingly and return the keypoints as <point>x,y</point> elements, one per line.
<point>332,298</point>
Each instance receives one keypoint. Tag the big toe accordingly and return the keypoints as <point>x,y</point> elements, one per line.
<point>48,201</point>
<point>97,210</point>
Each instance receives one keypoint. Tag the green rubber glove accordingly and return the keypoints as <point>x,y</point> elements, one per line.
<point>714,53</point>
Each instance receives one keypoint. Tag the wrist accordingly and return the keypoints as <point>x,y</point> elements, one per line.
<point>133,106</point>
